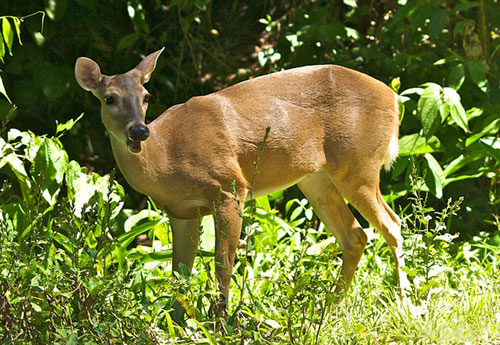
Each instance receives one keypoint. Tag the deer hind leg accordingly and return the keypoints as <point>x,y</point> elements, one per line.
<point>339,220</point>
<point>364,194</point>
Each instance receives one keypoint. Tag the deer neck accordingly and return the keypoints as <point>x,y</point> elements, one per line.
<point>139,169</point>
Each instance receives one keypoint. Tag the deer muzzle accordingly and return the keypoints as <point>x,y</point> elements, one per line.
<point>136,134</point>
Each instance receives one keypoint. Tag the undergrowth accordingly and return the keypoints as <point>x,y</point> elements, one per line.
<point>72,272</point>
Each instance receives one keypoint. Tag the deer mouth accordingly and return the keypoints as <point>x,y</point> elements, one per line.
<point>134,146</point>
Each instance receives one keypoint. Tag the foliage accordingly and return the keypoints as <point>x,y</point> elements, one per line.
<point>71,273</point>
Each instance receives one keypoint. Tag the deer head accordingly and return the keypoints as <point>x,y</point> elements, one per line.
<point>124,100</point>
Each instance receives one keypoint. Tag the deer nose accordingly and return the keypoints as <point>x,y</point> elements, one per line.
<point>138,132</point>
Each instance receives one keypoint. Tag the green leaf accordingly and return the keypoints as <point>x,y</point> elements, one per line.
<point>17,26</point>
<point>478,70</point>
<point>447,181</point>
<point>48,168</point>
<point>128,237</point>
<point>8,34</point>
<point>161,255</point>
<point>428,109</point>
<point>91,239</point>
<point>64,241</point>
<point>492,128</point>
<point>474,112</point>
<point>170,326</point>
<point>2,89</point>
<point>403,12</point>
<point>414,144</point>
<point>436,185</point>
<point>120,254</point>
<point>444,111</point>
<point>36,307</point>
<point>161,232</point>
<point>62,127</point>
<point>210,338</point>
<point>145,214</point>
<point>7,115</point>
<point>9,156</point>
<point>263,202</point>
<point>461,161</point>
<point>454,57</point>
<point>127,41</point>
<point>17,214</point>
<point>39,38</point>
<point>438,21</point>
<point>457,111</point>
<point>456,76</point>
<point>492,146</point>
<point>72,339</point>
<point>395,84</point>
<point>414,90</point>
<point>2,47</point>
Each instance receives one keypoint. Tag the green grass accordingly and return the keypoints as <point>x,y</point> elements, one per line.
<point>288,302</point>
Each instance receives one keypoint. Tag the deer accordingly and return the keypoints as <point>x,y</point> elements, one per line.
<point>327,128</point>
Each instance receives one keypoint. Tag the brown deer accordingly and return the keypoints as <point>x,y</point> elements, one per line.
<point>329,130</point>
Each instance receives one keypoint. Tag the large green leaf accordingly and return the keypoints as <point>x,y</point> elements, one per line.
<point>8,34</point>
<point>9,157</point>
<point>17,26</point>
<point>48,168</point>
<point>16,214</point>
<point>428,109</point>
<point>456,76</point>
<point>415,144</point>
<point>435,179</point>
<point>457,111</point>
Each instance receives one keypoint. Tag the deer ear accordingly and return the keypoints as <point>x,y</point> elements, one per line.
<point>87,73</point>
<point>147,66</point>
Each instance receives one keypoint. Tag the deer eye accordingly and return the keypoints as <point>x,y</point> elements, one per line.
<point>146,98</point>
<point>108,99</point>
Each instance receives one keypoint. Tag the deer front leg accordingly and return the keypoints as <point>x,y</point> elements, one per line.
<point>186,236</point>
<point>228,221</point>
